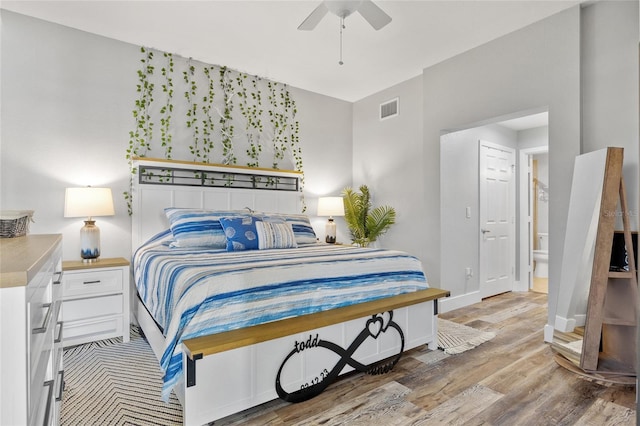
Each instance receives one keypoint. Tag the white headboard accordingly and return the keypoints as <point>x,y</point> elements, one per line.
<point>167,183</point>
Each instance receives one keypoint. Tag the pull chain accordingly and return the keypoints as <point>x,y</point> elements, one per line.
<point>341,28</point>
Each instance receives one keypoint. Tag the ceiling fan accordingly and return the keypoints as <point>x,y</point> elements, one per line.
<point>342,9</point>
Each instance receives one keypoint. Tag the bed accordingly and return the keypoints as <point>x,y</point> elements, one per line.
<point>235,325</point>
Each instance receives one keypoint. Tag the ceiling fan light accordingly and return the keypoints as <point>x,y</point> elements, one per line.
<point>342,8</point>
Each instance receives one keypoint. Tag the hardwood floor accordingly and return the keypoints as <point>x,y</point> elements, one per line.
<point>540,285</point>
<point>510,380</point>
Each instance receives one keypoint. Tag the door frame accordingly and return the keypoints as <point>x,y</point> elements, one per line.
<point>525,228</point>
<point>512,213</point>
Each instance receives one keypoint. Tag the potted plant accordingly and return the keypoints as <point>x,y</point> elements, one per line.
<point>365,223</point>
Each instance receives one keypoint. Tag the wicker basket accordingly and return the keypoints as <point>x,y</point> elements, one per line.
<point>15,223</point>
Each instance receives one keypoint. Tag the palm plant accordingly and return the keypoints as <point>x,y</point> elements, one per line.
<point>365,223</point>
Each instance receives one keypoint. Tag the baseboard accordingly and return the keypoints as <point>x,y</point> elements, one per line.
<point>520,286</point>
<point>548,333</point>
<point>565,325</point>
<point>455,302</point>
<point>568,324</point>
<point>581,320</point>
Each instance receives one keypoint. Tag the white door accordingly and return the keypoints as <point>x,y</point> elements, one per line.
<point>497,219</point>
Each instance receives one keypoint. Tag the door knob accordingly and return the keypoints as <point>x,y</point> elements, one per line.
<point>484,231</point>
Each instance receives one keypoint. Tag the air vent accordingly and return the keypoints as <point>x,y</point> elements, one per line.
<point>389,109</point>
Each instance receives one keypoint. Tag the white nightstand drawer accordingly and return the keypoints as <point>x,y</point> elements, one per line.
<point>80,309</point>
<point>79,332</point>
<point>84,283</point>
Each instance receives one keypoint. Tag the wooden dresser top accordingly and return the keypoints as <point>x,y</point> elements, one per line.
<point>22,257</point>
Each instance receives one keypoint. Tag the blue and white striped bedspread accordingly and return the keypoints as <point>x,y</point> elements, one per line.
<point>195,292</point>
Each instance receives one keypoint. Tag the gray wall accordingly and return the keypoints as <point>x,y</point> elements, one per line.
<point>532,68</point>
<point>610,85</point>
<point>387,157</point>
<point>67,98</point>
<point>538,67</point>
<point>532,138</point>
<point>325,136</point>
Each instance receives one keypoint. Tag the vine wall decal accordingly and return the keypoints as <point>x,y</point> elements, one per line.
<point>222,116</point>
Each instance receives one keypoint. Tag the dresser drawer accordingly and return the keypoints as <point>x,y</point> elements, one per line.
<point>94,282</point>
<point>39,295</point>
<point>40,413</point>
<point>41,313</point>
<point>40,389</point>
<point>58,379</point>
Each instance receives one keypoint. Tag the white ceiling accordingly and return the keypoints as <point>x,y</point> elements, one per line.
<point>261,37</point>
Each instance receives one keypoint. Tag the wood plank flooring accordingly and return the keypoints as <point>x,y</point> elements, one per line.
<point>540,285</point>
<point>510,380</point>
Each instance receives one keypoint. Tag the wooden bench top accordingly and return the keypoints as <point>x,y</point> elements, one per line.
<point>220,342</point>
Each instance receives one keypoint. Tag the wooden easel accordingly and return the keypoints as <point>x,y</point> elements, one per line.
<point>612,308</point>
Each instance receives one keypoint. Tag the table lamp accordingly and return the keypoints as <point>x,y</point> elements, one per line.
<point>88,202</point>
<point>330,206</point>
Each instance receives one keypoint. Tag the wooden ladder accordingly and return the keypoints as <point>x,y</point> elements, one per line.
<point>612,307</point>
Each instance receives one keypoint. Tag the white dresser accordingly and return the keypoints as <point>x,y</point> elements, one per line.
<point>31,374</point>
<point>96,300</point>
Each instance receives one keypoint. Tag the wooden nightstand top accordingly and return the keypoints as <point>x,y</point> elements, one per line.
<point>73,265</point>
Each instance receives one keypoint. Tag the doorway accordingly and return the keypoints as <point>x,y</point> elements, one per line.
<point>460,201</point>
<point>533,207</point>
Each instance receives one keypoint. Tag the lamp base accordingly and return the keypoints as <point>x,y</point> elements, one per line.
<point>89,242</point>
<point>330,231</point>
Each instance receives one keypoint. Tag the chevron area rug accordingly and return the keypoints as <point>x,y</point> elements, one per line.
<point>456,338</point>
<point>114,383</point>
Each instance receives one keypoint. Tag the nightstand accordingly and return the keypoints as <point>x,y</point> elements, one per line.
<point>95,300</point>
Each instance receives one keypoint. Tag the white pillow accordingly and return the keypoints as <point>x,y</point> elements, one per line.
<point>275,235</point>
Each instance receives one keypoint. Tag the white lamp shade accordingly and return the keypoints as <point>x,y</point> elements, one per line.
<point>330,206</point>
<point>88,202</point>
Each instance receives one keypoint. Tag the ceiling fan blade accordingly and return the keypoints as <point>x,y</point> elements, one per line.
<point>314,18</point>
<point>373,14</point>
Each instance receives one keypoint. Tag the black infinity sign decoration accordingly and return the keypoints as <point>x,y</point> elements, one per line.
<point>376,325</point>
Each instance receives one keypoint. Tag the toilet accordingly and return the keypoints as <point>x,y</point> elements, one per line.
<point>541,256</point>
